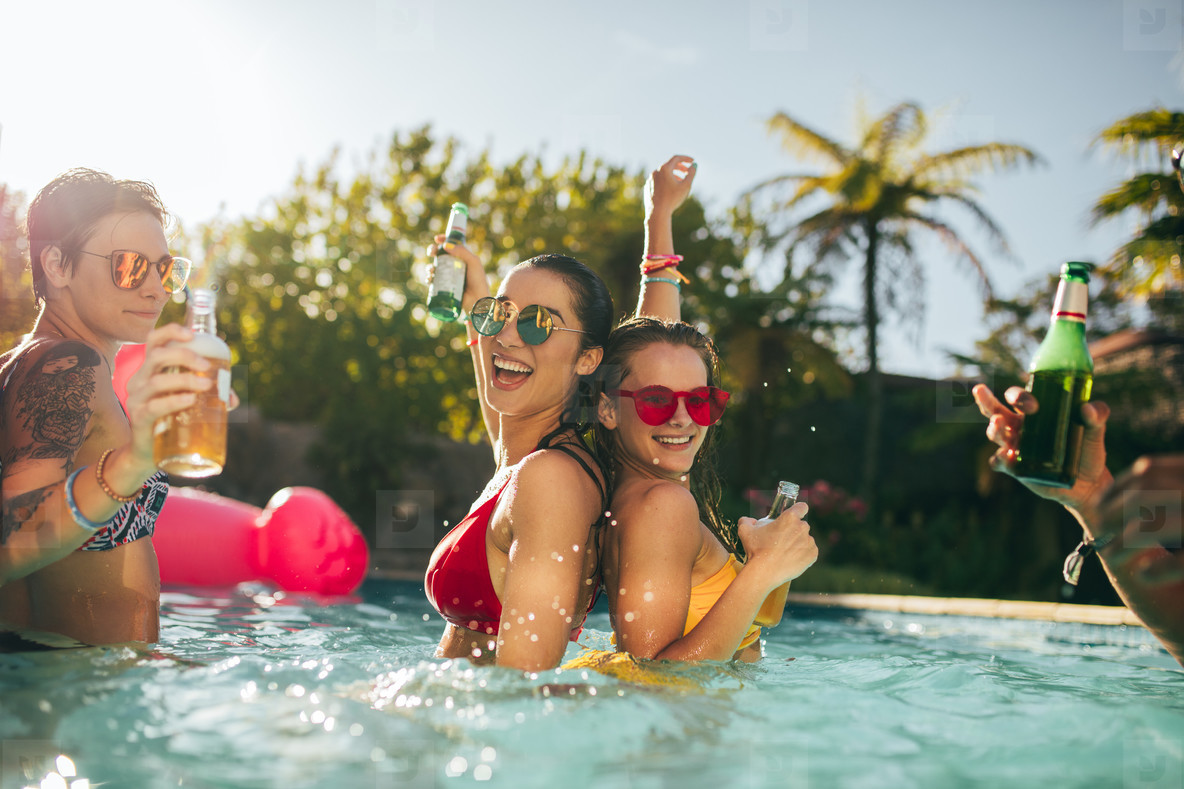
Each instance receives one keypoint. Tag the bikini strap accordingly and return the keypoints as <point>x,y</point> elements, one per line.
<point>571,453</point>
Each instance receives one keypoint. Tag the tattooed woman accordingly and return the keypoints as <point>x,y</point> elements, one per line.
<point>79,493</point>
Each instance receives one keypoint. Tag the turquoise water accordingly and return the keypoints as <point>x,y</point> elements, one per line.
<point>247,690</point>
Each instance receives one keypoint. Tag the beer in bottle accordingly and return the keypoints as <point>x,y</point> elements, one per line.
<point>447,287</point>
<point>774,605</point>
<point>1060,377</point>
<point>192,443</point>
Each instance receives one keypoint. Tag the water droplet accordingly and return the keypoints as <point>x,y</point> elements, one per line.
<point>812,428</point>
<point>648,597</point>
<point>534,636</point>
<point>621,590</point>
<point>65,766</point>
<point>488,754</point>
<point>355,730</point>
<point>629,616</point>
<point>456,767</point>
<point>482,772</point>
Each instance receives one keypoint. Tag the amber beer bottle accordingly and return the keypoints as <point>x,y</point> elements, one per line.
<point>447,287</point>
<point>774,605</point>
<point>192,443</point>
<point>1060,377</point>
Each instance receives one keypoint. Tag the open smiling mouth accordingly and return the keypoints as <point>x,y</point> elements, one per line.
<point>674,441</point>
<point>508,372</point>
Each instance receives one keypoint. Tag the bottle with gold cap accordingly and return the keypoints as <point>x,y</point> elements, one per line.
<point>1060,377</point>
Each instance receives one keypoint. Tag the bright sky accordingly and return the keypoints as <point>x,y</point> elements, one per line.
<point>219,102</point>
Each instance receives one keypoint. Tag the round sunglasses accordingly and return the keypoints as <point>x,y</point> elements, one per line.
<point>535,323</point>
<point>129,269</point>
<point>656,404</point>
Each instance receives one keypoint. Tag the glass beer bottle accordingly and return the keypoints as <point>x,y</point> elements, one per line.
<point>447,287</point>
<point>192,443</point>
<point>1060,377</point>
<point>774,605</point>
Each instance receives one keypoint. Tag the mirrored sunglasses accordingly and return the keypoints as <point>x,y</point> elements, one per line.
<point>656,404</point>
<point>535,323</point>
<point>129,269</point>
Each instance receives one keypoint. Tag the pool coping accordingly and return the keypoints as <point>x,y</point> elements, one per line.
<point>918,604</point>
<point>972,606</point>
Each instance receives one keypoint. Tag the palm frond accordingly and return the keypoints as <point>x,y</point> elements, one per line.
<point>975,159</point>
<point>797,138</point>
<point>952,240</point>
<point>1158,129</point>
<point>1144,193</point>
<point>901,128</point>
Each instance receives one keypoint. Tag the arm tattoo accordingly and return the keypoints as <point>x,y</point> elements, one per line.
<point>54,402</point>
<point>19,510</point>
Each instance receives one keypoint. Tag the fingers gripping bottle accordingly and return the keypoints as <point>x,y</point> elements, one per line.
<point>192,443</point>
<point>774,605</point>
<point>1060,377</point>
<point>447,286</point>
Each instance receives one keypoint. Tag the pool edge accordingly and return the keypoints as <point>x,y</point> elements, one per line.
<point>969,606</point>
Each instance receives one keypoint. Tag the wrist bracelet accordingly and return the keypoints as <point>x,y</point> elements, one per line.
<point>103,483</point>
<point>79,518</point>
<point>1072,569</point>
<point>674,282</point>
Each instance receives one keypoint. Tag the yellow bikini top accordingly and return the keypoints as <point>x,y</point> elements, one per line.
<point>705,595</point>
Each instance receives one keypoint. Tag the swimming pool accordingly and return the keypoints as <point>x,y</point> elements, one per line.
<point>252,689</point>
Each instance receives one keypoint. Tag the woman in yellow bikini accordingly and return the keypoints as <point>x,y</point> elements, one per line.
<point>681,584</point>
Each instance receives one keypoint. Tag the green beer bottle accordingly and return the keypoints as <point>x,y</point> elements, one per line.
<point>1060,376</point>
<point>447,287</point>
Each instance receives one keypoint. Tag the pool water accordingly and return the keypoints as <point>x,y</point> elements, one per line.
<point>249,688</point>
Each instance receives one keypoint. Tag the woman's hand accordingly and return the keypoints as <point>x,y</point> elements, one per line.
<point>1005,425</point>
<point>164,384</point>
<point>668,186</point>
<point>476,284</point>
<point>781,547</point>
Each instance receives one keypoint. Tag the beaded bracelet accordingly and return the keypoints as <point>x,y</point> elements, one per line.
<point>79,518</point>
<point>673,282</point>
<point>103,482</point>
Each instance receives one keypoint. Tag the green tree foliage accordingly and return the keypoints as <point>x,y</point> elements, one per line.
<point>322,297</point>
<point>17,310</point>
<point>870,202</point>
<point>1148,265</point>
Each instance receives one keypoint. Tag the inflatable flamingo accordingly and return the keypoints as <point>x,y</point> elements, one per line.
<point>302,541</point>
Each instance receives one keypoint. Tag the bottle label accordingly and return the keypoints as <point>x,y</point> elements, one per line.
<point>224,385</point>
<point>458,225</point>
<point>1072,301</point>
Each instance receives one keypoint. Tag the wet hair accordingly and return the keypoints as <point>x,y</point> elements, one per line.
<point>66,211</point>
<point>593,307</point>
<point>629,338</point>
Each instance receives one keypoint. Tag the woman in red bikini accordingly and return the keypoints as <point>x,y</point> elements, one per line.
<point>515,579</point>
<point>80,490</point>
<point>681,583</point>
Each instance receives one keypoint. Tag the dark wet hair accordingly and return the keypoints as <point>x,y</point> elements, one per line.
<point>593,306</point>
<point>630,337</point>
<point>67,209</point>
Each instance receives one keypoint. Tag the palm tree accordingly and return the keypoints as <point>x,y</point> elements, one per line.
<point>875,196</point>
<point>1148,264</point>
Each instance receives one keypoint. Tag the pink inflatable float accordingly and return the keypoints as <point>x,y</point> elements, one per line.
<point>302,541</point>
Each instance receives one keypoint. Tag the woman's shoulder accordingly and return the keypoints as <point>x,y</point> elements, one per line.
<point>649,501</point>
<point>50,356</point>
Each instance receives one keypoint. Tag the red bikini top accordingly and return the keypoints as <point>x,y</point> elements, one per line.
<point>457,581</point>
